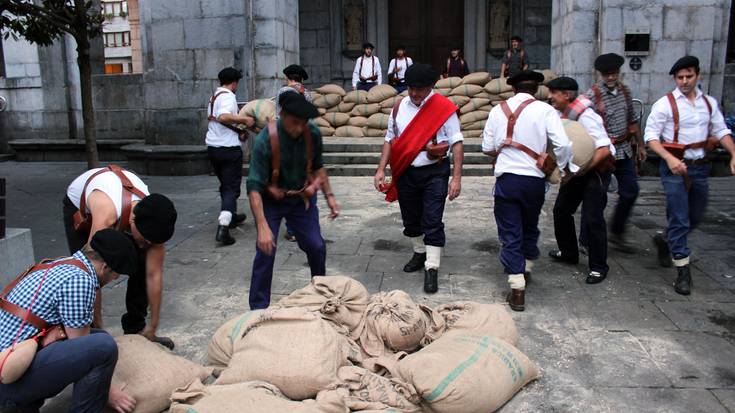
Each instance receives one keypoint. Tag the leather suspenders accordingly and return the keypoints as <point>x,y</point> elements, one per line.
<point>545,163</point>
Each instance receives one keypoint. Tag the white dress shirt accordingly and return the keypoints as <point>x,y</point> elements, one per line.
<point>367,70</point>
<point>695,123</point>
<point>403,64</point>
<point>595,127</point>
<point>538,124</point>
<point>106,182</point>
<point>218,135</point>
<point>449,132</point>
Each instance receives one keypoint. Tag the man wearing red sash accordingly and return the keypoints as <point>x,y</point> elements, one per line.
<point>421,130</point>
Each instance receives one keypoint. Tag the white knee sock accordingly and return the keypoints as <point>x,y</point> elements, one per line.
<point>516,281</point>
<point>529,266</point>
<point>682,262</point>
<point>418,244</point>
<point>225,217</point>
<point>433,257</point>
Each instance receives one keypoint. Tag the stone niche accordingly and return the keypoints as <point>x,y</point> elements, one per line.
<point>353,12</point>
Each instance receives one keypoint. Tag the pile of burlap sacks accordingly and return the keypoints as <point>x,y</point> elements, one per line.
<point>330,347</point>
<point>366,114</point>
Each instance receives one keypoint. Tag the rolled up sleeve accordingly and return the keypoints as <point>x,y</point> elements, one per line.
<point>452,131</point>
<point>655,122</point>
<point>260,161</point>
<point>76,301</point>
<point>717,125</point>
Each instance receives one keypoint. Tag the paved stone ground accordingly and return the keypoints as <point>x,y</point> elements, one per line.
<point>628,344</point>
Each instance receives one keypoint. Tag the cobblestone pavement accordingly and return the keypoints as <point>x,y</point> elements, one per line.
<point>628,344</point>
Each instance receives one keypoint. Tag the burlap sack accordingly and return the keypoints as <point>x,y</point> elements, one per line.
<point>487,107</point>
<point>292,348</point>
<point>387,111</point>
<point>327,101</point>
<point>148,372</point>
<point>448,83</point>
<point>314,95</point>
<point>331,89</point>
<point>378,121</point>
<point>250,397</point>
<point>340,299</point>
<point>357,121</point>
<point>495,98</point>
<point>333,109</point>
<point>474,104</point>
<point>507,95</point>
<point>321,121</point>
<point>356,96</point>
<point>466,90</point>
<point>16,362</point>
<point>466,373</point>
<point>471,133</point>
<point>373,133</point>
<point>369,391</point>
<point>477,78</point>
<point>483,95</point>
<point>549,75</point>
<point>583,148</point>
<point>480,319</point>
<point>404,93</point>
<point>459,101</point>
<point>221,347</point>
<point>498,86</point>
<point>390,102</point>
<point>327,130</point>
<point>262,110</point>
<point>543,93</point>
<point>473,117</point>
<point>336,119</point>
<point>345,107</point>
<point>321,111</point>
<point>479,125</point>
<point>380,93</point>
<point>444,91</point>
<point>349,132</point>
<point>366,110</point>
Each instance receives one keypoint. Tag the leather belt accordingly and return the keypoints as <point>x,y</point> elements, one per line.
<point>700,161</point>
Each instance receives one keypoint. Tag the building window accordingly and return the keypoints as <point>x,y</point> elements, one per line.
<point>113,68</point>
<point>117,39</point>
<point>115,8</point>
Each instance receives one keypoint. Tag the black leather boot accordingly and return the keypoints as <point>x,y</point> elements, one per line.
<point>237,219</point>
<point>223,235</point>
<point>431,281</point>
<point>683,284</point>
<point>416,263</point>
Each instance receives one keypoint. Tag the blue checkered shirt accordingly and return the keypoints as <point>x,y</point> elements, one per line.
<point>66,297</point>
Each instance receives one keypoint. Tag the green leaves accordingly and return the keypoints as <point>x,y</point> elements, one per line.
<point>46,22</point>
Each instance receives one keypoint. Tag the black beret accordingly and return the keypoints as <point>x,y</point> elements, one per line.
<point>518,38</point>
<point>401,47</point>
<point>563,83</point>
<point>526,76</point>
<point>295,104</point>
<point>155,218</point>
<point>229,75</point>
<point>685,62</point>
<point>368,45</point>
<point>116,249</point>
<point>296,70</point>
<point>421,75</point>
<point>608,63</point>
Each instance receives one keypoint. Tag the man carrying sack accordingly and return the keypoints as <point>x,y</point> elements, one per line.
<point>45,318</point>
<point>224,150</point>
<point>517,133</point>
<point>286,172</point>
<point>588,189</point>
<point>682,127</point>
<point>614,104</point>
<point>421,131</point>
<point>111,197</point>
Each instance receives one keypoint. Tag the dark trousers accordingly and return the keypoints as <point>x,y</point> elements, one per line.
<point>518,202</point>
<point>136,296</point>
<point>87,362</point>
<point>366,86</point>
<point>305,225</point>
<point>684,209</point>
<point>400,87</point>
<point>227,165</point>
<point>422,193</point>
<point>590,190</point>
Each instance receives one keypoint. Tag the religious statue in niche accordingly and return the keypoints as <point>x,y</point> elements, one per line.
<point>354,12</point>
<point>498,27</point>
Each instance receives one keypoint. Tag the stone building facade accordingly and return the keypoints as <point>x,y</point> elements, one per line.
<point>184,43</point>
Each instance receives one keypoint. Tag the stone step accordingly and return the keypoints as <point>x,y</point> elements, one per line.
<point>64,150</point>
<point>6,157</point>
<point>369,170</point>
<point>351,158</point>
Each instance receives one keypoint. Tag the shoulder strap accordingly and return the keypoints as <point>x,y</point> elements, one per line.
<point>675,114</point>
<point>628,102</point>
<point>211,104</point>
<point>83,198</point>
<point>394,114</point>
<point>709,105</point>
<point>127,197</point>
<point>275,152</point>
<point>512,118</point>
<point>372,58</point>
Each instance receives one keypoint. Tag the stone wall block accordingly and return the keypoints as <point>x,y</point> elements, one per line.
<point>268,33</point>
<point>167,35</point>
<point>208,62</point>
<point>175,9</point>
<point>220,8</point>
<point>175,65</point>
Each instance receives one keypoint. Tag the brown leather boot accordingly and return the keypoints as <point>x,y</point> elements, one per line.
<point>517,299</point>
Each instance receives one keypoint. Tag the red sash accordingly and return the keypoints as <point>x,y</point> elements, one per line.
<point>432,115</point>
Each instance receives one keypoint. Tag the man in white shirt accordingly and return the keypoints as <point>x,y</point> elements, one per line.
<point>520,184</point>
<point>367,71</point>
<point>588,189</point>
<point>420,167</point>
<point>397,69</point>
<point>225,152</point>
<point>682,127</point>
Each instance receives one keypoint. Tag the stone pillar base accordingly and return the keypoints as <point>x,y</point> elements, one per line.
<point>16,254</point>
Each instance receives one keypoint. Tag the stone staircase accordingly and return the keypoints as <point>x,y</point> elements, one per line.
<point>360,157</point>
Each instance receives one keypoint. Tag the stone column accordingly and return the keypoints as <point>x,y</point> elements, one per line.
<point>275,42</point>
<point>573,39</point>
<point>475,34</point>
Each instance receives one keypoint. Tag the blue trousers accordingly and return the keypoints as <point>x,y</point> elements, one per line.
<point>422,193</point>
<point>590,190</point>
<point>684,209</point>
<point>305,225</point>
<point>366,86</point>
<point>518,202</point>
<point>87,362</point>
<point>227,165</point>
<point>401,87</point>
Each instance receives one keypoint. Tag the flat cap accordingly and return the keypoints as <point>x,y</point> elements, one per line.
<point>421,75</point>
<point>563,83</point>
<point>526,76</point>
<point>684,63</point>
<point>368,45</point>
<point>155,218</point>
<point>609,62</point>
<point>295,104</point>
<point>296,70</point>
<point>229,75</point>
<point>116,249</point>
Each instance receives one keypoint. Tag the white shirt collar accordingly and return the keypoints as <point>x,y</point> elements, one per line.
<point>678,94</point>
<point>410,102</point>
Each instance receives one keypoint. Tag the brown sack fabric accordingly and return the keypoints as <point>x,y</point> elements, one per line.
<point>222,345</point>
<point>393,322</point>
<point>262,110</point>
<point>369,391</point>
<point>380,93</point>
<point>17,361</point>
<point>482,319</point>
